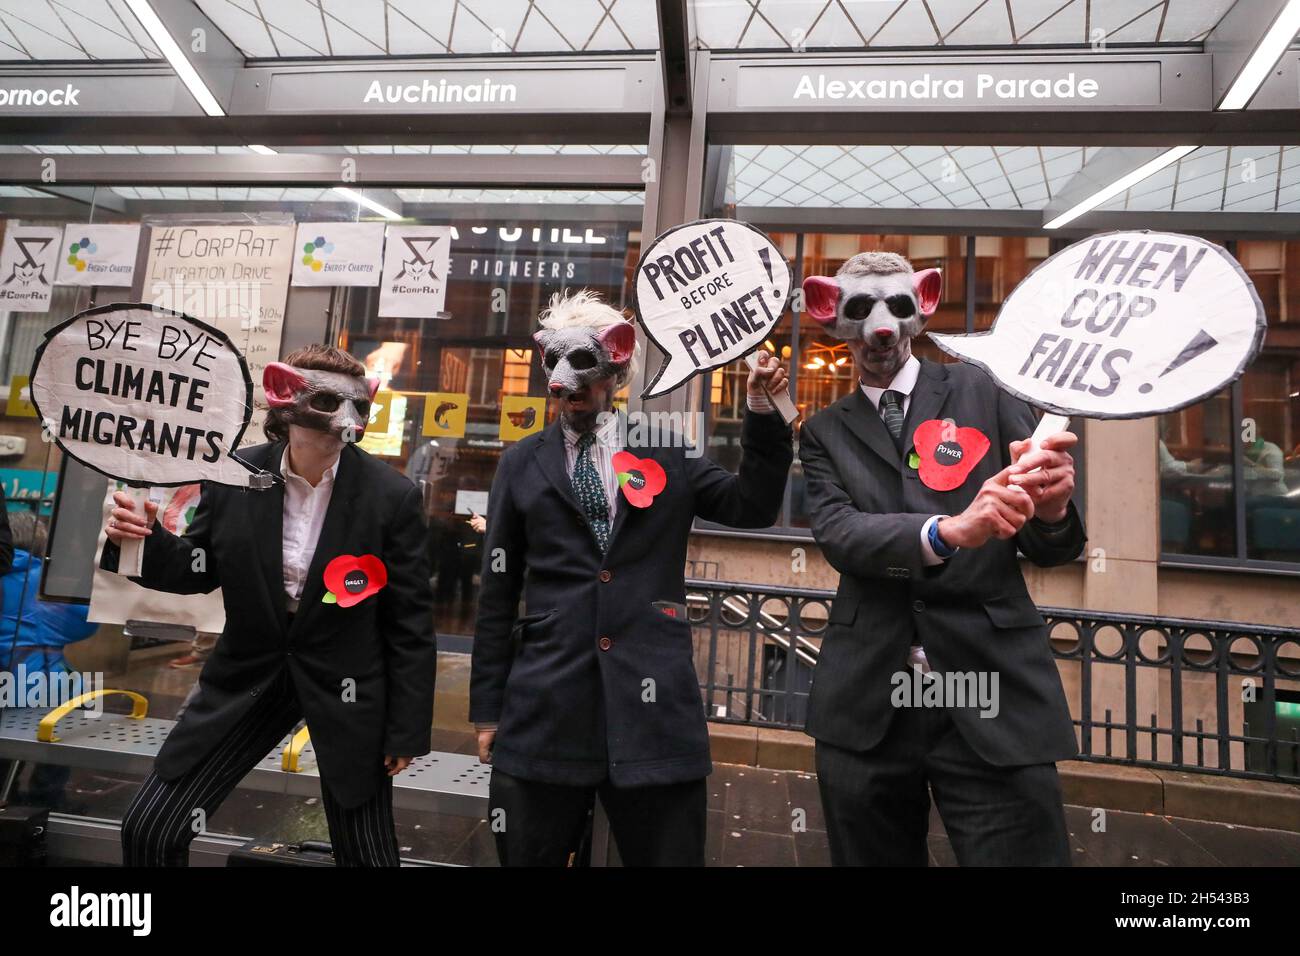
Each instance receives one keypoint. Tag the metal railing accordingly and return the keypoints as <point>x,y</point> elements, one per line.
<point>1210,696</point>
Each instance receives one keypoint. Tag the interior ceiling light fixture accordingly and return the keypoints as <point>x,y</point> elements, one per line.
<point>366,201</point>
<point>1126,182</point>
<point>184,69</point>
<point>1263,58</point>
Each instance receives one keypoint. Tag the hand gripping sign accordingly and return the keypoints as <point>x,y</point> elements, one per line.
<point>146,396</point>
<point>1122,325</point>
<point>707,293</point>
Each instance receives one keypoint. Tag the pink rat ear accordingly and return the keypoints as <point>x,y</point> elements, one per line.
<point>281,383</point>
<point>373,384</point>
<point>821,296</point>
<point>619,341</point>
<point>928,284</point>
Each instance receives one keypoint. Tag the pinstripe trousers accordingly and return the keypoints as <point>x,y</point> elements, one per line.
<point>166,815</point>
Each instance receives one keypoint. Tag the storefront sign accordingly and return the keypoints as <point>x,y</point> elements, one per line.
<point>1122,325</point>
<point>415,272</point>
<point>338,253</point>
<point>99,254</point>
<point>24,487</point>
<point>707,293</point>
<point>28,264</point>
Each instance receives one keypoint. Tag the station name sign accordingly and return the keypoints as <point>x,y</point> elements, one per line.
<point>86,93</point>
<point>930,86</point>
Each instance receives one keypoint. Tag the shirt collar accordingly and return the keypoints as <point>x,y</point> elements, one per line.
<point>327,477</point>
<point>606,433</point>
<point>904,381</point>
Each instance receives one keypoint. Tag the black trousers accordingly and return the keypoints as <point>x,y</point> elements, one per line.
<point>541,824</point>
<point>166,815</point>
<point>877,802</point>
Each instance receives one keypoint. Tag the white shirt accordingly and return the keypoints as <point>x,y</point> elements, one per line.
<point>304,513</point>
<point>905,381</point>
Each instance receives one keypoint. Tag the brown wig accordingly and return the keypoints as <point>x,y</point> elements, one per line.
<point>319,358</point>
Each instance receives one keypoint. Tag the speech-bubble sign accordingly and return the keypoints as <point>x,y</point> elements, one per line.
<point>707,293</point>
<point>145,395</point>
<point>1122,325</point>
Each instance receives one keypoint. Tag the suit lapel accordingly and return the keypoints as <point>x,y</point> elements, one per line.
<point>862,419</point>
<point>266,512</point>
<point>550,456</point>
<point>927,398</point>
<point>334,532</point>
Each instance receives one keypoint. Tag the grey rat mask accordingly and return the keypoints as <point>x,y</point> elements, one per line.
<point>328,402</point>
<point>576,356</point>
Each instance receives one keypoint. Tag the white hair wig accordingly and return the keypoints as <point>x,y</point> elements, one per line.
<point>586,309</point>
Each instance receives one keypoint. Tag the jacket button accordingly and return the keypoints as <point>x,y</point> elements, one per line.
<point>255,691</point>
<point>918,606</point>
<point>606,576</point>
<point>604,643</point>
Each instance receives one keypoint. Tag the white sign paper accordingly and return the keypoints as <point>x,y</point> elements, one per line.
<point>471,502</point>
<point>416,262</point>
<point>144,395</point>
<point>1122,325</point>
<point>28,264</point>
<point>99,254</point>
<point>338,253</point>
<point>708,293</point>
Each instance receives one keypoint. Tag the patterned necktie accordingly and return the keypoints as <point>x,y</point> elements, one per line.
<point>591,493</point>
<point>891,410</point>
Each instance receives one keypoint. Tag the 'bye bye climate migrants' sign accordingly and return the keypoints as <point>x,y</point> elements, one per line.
<point>144,395</point>
<point>1122,325</point>
<point>707,293</point>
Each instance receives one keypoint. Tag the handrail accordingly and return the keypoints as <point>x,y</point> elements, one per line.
<point>293,750</point>
<point>45,730</point>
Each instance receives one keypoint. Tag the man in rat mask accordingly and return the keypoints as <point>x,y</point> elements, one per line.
<point>594,689</point>
<point>325,579</point>
<point>935,673</point>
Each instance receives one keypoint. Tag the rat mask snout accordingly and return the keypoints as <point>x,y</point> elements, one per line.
<point>328,402</point>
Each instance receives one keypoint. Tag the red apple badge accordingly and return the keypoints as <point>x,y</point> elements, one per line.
<point>350,579</point>
<point>947,453</point>
<point>640,478</point>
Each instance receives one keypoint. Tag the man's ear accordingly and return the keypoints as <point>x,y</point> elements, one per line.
<point>281,383</point>
<point>619,340</point>
<point>821,297</point>
<point>928,284</point>
<point>373,384</point>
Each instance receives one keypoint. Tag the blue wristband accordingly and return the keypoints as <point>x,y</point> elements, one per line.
<point>937,543</point>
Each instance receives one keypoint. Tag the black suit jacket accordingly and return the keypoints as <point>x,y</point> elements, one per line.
<point>973,614</point>
<point>594,681</point>
<point>385,644</point>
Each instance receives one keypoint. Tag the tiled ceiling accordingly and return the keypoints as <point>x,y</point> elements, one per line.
<point>901,177</point>
<point>1222,179</point>
<point>72,30</point>
<point>319,28</point>
<point>858,24</point>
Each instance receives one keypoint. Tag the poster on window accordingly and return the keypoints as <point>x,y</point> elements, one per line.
<point>416,260</point>
<point>234,277</point>
<point>99,254</point>
<point>29,259</point>
<point>338,254</point>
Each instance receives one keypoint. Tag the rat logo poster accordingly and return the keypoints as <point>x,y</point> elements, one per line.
<point>416,263</point>
<point>28,264</point>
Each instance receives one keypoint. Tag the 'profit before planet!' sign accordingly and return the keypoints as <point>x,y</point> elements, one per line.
<point>1122,325</point>
<point>707,293</point>
<point>144,395</point>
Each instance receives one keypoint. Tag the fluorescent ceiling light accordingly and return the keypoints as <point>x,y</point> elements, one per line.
<point>262,150</point>
<point>1264,58</point>
<point>188,75</point>
<point>1105,195</point>
<point>369,203</point>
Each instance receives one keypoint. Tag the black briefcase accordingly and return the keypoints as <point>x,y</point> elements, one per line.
<point>22,835</point>
<point>263,853</point>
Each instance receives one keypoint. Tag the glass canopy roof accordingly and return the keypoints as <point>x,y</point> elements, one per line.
<point>43,30</point>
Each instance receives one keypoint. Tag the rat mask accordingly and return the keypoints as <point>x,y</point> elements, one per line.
<point>877,304</point>
<point>576,356</point>
<point>328,402</point>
